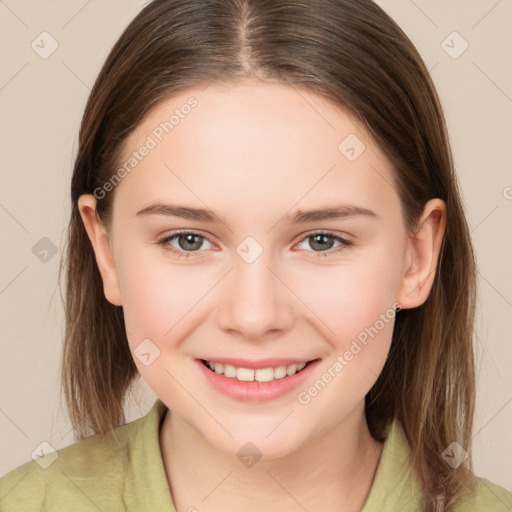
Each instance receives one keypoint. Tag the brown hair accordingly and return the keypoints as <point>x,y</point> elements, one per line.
<point>352,53</point>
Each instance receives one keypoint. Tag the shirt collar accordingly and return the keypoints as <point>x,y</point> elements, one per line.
<point>156,493</point>
<point>395,486</point>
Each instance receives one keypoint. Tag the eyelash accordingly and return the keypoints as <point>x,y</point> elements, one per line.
<point>164,243</point>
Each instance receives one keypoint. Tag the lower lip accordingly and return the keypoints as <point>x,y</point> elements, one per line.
<point>256,391</point>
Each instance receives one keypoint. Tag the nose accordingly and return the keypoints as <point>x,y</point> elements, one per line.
<point>256,303</point>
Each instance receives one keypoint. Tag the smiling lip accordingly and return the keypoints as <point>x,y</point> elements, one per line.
<point>256,364</point>
<point>254,391</point>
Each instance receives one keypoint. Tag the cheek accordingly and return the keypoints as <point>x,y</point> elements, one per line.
<point>360,317</point>
<point>348,297</point>
<point>158,299</point>
<point>158,296</point>
<point>353,306</point>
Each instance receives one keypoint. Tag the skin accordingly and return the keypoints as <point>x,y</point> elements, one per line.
<point>253,152</point>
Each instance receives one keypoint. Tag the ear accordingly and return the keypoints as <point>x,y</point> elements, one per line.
<point>98,236</point>
<point>422,254</point>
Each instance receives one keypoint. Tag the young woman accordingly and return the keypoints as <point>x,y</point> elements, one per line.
<point>267,228</point>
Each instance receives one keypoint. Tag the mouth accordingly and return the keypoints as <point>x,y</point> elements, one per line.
<point>268,379</point>
<point>260,373</point>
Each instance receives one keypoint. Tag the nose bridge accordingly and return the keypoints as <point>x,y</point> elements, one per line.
<point>256,301</point>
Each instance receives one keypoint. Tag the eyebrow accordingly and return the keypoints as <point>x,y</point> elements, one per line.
<point>337,211</point>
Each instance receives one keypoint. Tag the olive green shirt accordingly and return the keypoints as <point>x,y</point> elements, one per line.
<point>124,471</point>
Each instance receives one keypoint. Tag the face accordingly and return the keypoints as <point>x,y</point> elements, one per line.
<point>265,280</point>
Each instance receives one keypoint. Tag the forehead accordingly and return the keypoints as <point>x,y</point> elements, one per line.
<point>248,108</point>
<point>258,141</point>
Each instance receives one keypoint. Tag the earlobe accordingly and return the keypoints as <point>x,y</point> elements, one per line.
<point>98,236</point>
<point>422,255</point>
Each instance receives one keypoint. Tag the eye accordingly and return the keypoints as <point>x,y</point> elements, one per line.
<point>188,242</point>
<point>323,241</point>
<point>191,241</point>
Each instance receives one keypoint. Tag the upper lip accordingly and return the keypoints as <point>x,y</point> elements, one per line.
<point>258,363</point>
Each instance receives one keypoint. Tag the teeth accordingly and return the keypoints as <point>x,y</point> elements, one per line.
<point>245,374</point>
<point>229,371</point>
<point>259,375</point>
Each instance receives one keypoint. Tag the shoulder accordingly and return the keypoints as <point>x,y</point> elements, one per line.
<point>482,495</point>
<point>82,474</point>
<point>396,486</point>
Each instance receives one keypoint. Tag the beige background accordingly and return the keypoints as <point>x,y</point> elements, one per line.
<point>41,104</point>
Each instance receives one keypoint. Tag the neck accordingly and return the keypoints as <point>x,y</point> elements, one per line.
<point>334,471</point>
